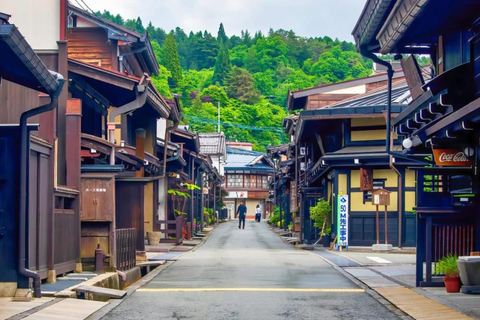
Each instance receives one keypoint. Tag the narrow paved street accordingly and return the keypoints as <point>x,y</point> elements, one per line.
<point>249,274</point>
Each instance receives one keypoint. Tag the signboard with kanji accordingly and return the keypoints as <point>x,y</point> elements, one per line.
<point>293,196</point>
<point>342,218</point>
<point>381,197</point>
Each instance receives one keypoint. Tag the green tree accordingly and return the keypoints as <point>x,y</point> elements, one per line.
<point>240,85</point>
<point>222,66</point>
<point>222,36</point>
<point>171,61</point>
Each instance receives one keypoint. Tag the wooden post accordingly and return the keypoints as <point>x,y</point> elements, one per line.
<point>378,227</point>
<point>386,225</point>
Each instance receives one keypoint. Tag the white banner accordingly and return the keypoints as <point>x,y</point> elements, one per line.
<point>342,235</point>
<point>237,194</point>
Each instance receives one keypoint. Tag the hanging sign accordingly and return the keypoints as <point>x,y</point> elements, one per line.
<point>366,179</point>
<point>451,158</point>
<point>342,221</point>
<point>293,196</point>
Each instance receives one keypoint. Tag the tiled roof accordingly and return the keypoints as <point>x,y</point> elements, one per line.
<point>212,143</point>
<point>241,159</point>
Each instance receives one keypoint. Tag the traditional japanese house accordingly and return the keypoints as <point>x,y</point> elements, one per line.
<point>325,95</point>
<point>248,174</point>
<point>283,158</point>
<point>213,145</point>
<point>441,121</point>
<point>342,154</point>
<point>123,168</point>
<point>39,218</point>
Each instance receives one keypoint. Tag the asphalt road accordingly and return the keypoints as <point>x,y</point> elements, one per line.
<point>249,274</point>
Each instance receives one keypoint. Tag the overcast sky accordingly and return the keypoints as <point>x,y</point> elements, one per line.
<point>307,18</point>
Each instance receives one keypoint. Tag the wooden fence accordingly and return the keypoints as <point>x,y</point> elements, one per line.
<point>126,248</point>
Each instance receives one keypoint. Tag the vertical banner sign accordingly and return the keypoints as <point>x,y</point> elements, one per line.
<point>293,196</point>
<point>342,208</point>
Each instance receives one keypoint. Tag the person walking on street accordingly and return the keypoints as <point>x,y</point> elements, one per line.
<point>241,212</point>
<point>258,214</point>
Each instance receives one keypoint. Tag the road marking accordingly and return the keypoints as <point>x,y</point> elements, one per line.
<point>248,289</point>
<point>379,260</point>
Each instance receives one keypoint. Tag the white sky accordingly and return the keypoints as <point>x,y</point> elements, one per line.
<point>307,18</point>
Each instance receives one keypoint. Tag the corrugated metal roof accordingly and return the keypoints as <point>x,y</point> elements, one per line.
<point>400,96</point>
<point>240,159</point>
<point>212,143</point>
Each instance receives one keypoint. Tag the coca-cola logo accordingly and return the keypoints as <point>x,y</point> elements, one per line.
<point>452,157</point>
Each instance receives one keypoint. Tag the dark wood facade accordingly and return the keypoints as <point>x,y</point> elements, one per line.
<point>444,115</point>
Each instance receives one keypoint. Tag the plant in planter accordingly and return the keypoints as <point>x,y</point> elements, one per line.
<point>290,226</point>
<point>320,214</point>
<point>447,266</point>
<point>179,198</point>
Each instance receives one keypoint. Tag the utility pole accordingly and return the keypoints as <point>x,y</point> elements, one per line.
<point>218,117</point>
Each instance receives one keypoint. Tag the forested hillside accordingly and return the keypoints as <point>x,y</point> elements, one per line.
<point>248,75</point>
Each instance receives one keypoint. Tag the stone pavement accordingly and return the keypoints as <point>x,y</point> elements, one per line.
<point>50,306</point>
<point>392,276</point>
<point>389,277</point>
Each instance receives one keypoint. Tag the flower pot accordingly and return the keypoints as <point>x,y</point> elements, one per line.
<point>452,284</point>
<point>154,237</point>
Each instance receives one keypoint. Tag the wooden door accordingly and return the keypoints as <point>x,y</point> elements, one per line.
<point>104,200</point>
<point>88,207</point>
<point>97,199</point>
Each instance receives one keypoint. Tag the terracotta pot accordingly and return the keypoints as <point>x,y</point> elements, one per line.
<point>154,237</point>
<point>452,284</point>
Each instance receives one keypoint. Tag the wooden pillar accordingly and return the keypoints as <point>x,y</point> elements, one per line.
<point>73,136</point>
<point>140,149</point>
<point>73,131</point>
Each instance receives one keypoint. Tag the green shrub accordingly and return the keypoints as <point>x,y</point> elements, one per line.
<point>447,266</point>
<point>320,214</point>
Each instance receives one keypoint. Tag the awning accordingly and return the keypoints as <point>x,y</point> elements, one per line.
<point>20,64</point>
<point>118,88</point>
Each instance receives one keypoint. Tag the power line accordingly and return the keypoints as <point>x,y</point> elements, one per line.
<point>86,5</point>
<point>80,5</point>
<point>226,124</point>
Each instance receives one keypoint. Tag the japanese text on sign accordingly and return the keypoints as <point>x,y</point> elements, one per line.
<point>342,235</point>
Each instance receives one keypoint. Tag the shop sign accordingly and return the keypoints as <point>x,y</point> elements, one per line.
<point>293,196</point>
<point>451,158</point>
<point>342,221</point>
<point>366,179</point>
<point>237,194</point>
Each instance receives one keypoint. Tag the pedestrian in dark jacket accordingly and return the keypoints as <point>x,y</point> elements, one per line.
<point>241,212</point>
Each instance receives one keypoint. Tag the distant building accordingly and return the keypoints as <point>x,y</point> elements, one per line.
<point>240,145</point>
<point>248,174</point>
<point>213,145</point>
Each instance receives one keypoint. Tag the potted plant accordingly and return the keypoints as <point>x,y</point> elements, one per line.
<point>320,214</point>
<point>447,266</point>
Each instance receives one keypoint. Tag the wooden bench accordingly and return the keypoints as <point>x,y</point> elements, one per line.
<point>105,292</point>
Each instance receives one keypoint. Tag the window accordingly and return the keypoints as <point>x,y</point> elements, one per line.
<point>235,181</point>
<point>264,182</point>
<point>250,181</point>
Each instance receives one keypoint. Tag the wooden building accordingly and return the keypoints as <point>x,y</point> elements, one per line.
<point>247,178</point>
<point>337,140</point>
<point>39,215</point>
<point>441,122</point>
<point>123,165</point>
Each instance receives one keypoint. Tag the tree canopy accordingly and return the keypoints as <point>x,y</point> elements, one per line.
<point>249,75</point>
